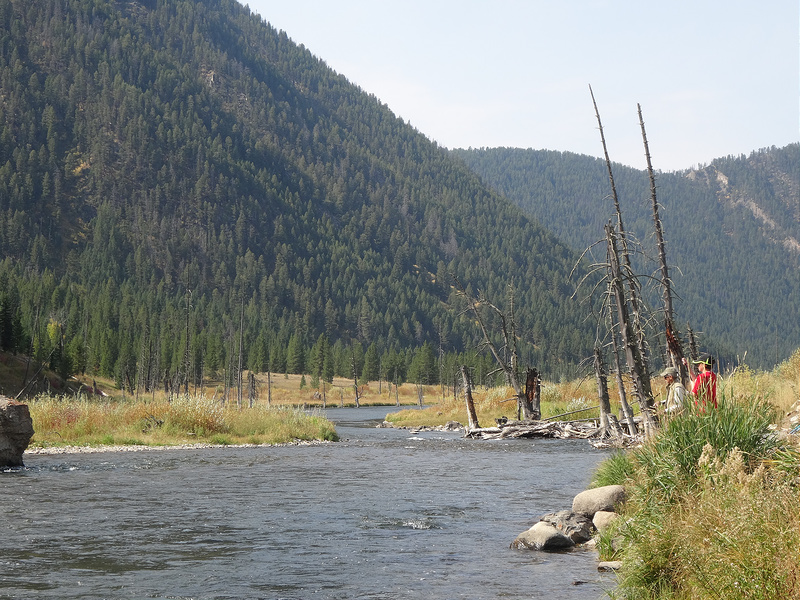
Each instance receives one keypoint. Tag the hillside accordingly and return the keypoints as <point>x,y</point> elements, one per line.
<point>175,172</point>
<point>732,231</point>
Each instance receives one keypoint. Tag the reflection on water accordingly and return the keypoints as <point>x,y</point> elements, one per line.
<point>382,514</point>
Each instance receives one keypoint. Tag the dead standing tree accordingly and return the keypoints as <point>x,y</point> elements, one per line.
<point>674,347</point>
<point>632,283</point>
<point>506,355</point>
<point>614,301</point>
<point>639,374</point>
<point>623,396</point>
<point>472,417</point>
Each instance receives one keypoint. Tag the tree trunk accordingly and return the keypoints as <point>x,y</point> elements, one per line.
<point>641,379</point>
<point>472,417</point>
<point>186,360</point>
<point>609,426</point>
<point>623,396</point>
<point>239,368</point>
<point>533,389</point>
<point>355,378</point>
<point>633,291</point>
<point>674,348</point>
<point>251,392</point>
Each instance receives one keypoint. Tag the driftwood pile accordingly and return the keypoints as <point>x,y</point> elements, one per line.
<point>532,429</point>
<point>587,429</point>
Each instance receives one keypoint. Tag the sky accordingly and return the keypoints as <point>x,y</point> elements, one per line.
<point>713,77</point>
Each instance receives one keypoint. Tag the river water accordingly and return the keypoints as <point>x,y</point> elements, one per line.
<point>383,514</point>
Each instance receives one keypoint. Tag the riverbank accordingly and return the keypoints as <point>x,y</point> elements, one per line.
<point>55,450</point>
<point>713,506</point>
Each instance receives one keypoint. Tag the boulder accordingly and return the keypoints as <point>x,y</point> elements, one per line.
<point>16,430</point>
<point>604,498</point>
<point>602,519</point>
<point>542,536</point>
<point>575,526</point>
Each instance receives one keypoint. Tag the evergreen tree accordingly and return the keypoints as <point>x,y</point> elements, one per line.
<point>295,355</point>
<point>371,369</point>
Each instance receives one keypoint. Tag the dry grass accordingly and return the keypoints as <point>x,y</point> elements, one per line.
<point>494,403</point>
<point>89,422</point>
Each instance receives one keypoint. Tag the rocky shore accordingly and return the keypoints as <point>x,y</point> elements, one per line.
<point>142,448</point>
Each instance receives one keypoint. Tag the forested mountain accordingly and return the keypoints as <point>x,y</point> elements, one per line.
<point>173,172</point>
<point>732,231</point>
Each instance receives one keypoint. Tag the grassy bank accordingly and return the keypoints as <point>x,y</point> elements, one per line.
<point>713,508</point>
<point>579,398</point>
<point>80,421</point>
<point>493,403</point>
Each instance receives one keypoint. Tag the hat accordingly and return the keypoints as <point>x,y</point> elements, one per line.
<point>670,371</point>
<point>704,358</point>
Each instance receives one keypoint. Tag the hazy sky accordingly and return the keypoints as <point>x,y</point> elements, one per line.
<point>713,77</point>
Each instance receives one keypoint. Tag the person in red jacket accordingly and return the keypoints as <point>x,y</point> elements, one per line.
<point>704,384</point>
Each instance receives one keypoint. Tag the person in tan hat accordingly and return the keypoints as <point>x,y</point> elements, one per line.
<point>675,390</point>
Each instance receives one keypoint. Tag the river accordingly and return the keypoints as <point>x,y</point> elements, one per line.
<point>382,514</point>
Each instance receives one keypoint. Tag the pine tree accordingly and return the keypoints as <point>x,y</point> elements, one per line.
<point>295,355</point>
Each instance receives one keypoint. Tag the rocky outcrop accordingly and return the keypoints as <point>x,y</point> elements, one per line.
<point>16,431</point>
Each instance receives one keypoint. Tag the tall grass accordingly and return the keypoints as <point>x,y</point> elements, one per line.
<point>80,421</point>
<point>713,507</point>
<point>669,461</point>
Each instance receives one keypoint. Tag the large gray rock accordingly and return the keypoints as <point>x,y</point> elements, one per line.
<point>16,430</point>
<point>542,536</point>
<point>605,498</point>
<point>575,526</point>
<point>603,518</point>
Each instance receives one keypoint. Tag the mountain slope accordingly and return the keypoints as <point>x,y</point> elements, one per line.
<point>173,170</point>
<point>732,231</point>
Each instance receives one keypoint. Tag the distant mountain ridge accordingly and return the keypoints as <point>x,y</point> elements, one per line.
<point>176,175</point>
<point>732,231</point>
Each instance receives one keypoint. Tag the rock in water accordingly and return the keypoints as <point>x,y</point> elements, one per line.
<point>605,498</point>
<point>16,431</point>
<point>576,526</point>
<point>542,536</point>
